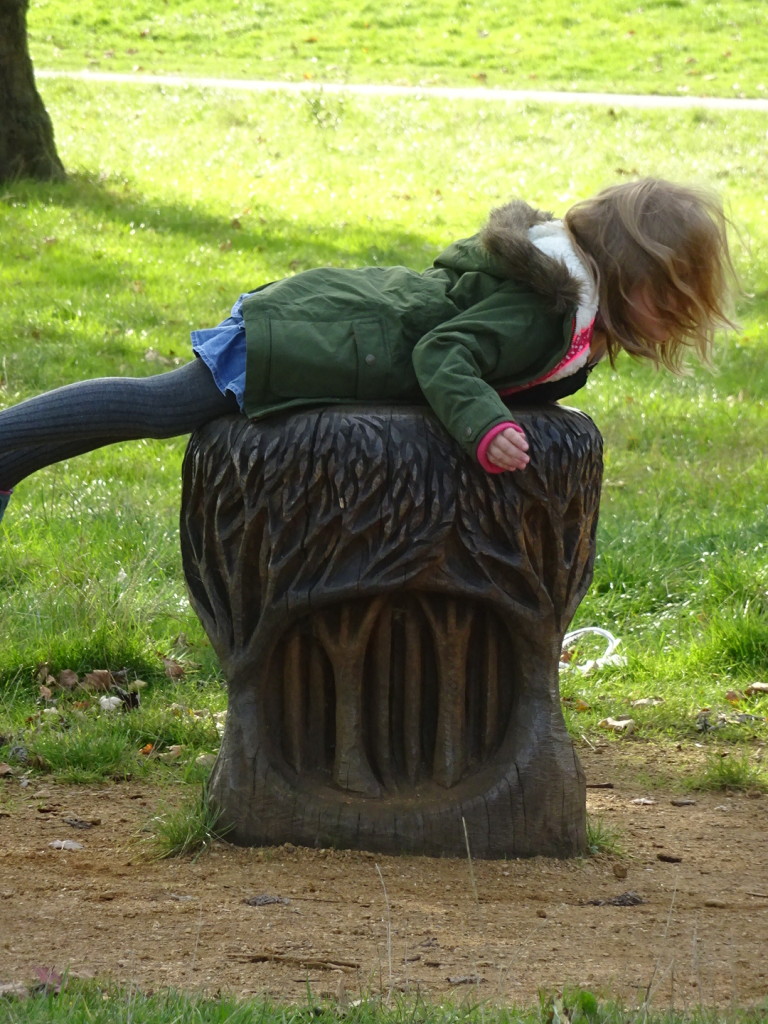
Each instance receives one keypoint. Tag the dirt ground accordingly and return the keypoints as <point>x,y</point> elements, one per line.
<point>271,922</point>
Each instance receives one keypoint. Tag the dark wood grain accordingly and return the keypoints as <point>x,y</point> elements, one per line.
<point>389,618</point>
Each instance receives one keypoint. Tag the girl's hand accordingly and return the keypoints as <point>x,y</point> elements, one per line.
<point>509,449</point>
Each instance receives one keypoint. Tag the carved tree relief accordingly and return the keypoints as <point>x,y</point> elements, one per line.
<point>390,618</point>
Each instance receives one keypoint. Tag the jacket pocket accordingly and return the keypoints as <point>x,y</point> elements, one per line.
<point>323,359</point>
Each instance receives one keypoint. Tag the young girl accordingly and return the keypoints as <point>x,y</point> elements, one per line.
<point>520,312</point>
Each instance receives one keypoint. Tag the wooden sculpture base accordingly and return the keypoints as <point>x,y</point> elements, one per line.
<point>389,617</point>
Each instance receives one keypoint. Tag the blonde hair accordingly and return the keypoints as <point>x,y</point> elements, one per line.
<point>670,240</point>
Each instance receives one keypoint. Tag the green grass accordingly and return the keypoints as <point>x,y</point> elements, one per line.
<point>186,829</point>
<point>664,46</point>
<point>731,771</point>
<point>603,838</point>
<point>179,199</point>
<point>170,736</point>
<point>89,1003</point>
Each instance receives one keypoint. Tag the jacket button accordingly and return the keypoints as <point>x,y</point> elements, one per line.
<point>370,359</point>
<point>468,431</point>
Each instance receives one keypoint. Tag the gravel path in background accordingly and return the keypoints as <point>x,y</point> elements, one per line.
<point>438,92</point>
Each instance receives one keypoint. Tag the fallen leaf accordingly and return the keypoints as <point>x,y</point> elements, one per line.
<point>99,679</point>
<point>147,749</point>
<point>556,1011</point>
<point>173,753</point>
<point>42,671</point>
<point>577,703</point>
<point>620,724</point>
<point>5,769</point>
<point>67,679</point>
<point>644,801</point>
<point>49,980</point>
<point>647,702</point>
<point>66,844</point>
<point>754,688</point>
<point>173,669</point>
<point>45,692</point>
<point>734,696</point>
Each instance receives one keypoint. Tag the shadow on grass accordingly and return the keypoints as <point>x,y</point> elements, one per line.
<point>301,241</point>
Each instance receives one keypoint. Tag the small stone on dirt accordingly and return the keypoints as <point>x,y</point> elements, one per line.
<point>625,899</point>
<point>264,900</point>
<point>14,990</point>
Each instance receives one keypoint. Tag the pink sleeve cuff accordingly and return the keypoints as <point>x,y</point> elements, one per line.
<point>482,447</point>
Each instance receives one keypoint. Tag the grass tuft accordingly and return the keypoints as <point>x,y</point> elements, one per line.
<point>186,830</point>
<point>85,753</point>
<point>603,838</point>
<point>735,771</point>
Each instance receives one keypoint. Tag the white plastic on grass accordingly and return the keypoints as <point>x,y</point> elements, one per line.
<point>607,658</point>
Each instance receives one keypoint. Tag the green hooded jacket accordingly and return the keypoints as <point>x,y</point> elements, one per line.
<point>491,313</point>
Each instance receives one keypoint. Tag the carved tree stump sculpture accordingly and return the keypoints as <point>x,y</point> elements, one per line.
<point>390,618</point>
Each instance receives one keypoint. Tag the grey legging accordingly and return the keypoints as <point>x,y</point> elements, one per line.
<point>81,417</point>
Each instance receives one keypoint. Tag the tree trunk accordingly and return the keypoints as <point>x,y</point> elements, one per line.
<point>27,149</point>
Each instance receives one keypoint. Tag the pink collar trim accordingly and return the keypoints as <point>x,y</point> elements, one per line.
<point>574,359</point>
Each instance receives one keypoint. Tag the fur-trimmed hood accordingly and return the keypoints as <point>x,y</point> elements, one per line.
<point>506,238</point>
<point>505,249</point>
